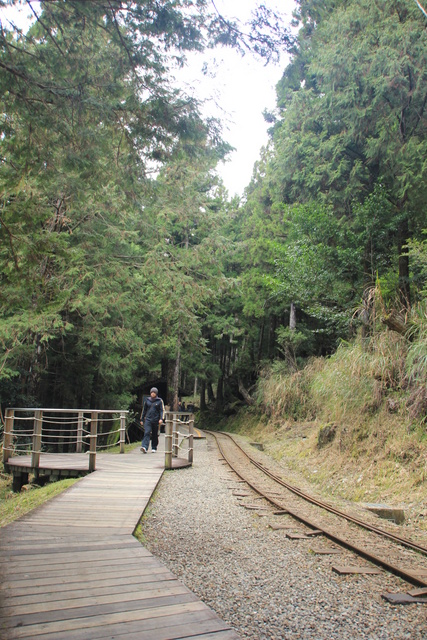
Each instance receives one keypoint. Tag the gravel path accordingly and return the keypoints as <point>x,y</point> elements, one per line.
<point>266,586</point>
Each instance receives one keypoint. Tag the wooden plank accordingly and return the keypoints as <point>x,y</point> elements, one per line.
<point>87,555</point>
<point>28,549</point>
<point>92,589</point>
<point>61,583</point>
<point>42,609</point>
<point>145,621</point>
<point>97,565</point>
<point>344,570</point>
<point>121,617</point>
<point>29,591</point>
<point>178,625</point>
<point>72,570</point>
<point>57,578</point>
<point>417,593</point>
<point>402,598</point>
<point>56,552</point>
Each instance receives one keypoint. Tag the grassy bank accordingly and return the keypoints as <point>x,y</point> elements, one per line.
<point>15,505</point>
<point>353,424</point>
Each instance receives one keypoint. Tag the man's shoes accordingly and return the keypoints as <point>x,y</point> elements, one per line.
<point>153,450</point>
<point>144,450</point>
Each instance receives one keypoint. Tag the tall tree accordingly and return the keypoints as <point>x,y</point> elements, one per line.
<point>86,105</point>
<point>184,260</point>
<point>354,113</point>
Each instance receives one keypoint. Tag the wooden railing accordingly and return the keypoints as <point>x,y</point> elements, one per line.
<point>37,431</point>
<point>179,429</point>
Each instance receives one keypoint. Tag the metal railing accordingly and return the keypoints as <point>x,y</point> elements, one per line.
<point>175,439</point>
<point>49,431</point>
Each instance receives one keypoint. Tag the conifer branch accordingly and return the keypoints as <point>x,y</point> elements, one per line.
<point>37,17</point>
<point>10,234</point>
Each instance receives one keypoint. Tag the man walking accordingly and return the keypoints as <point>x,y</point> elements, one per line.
<point>152,416</point>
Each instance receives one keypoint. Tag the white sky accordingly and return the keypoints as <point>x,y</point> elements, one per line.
<point>238,94</point>
<point>242,89</point>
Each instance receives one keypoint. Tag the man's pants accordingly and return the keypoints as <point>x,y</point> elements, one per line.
<point>151,429</point>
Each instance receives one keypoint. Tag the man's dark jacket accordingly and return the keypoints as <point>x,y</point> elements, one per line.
<point>153,410</point>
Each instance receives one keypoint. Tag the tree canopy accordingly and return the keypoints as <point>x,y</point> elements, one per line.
<point>122,256</point>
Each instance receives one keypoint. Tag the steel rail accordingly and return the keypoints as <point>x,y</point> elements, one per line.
<point>410,544</point>
<point>398,571</point>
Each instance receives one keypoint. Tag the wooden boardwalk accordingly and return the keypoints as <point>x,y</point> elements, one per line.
<point>72,570</point>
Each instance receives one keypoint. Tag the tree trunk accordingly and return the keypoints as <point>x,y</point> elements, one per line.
<point>177,369</point>
<point>292,317</point>
<point>211,396</point>
<point>261,342</point>
<point>203,406</point>
<point>168,367</point>
<point>220,394</point>
<point>404,287</point>
<point>395,322</point>
<point>170,373</point>
<point>247,398</point>
<point>272,336</point>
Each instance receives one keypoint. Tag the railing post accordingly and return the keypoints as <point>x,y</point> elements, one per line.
<point>37,439</point>
<point>168,442</point>
<point>93,434</point>
<point>175,448</point>
<point>190,438</point>
<point>122,432</point>
<point>79,432</point>
<point>8,435</point>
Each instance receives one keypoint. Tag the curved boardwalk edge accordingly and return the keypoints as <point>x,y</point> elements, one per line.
<point>72,570</point>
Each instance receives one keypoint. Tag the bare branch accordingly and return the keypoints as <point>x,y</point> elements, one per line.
<point>421,8</point>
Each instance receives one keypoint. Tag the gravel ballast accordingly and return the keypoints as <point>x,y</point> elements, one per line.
<point>265,585</point>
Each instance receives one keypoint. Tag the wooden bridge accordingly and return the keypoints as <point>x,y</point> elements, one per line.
<point>50,442</point>
<point>72,570</point>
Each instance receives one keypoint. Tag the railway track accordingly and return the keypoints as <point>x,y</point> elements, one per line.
<point>385,548</point>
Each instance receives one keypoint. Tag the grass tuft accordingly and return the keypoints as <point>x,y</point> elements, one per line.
<point>16,505</point>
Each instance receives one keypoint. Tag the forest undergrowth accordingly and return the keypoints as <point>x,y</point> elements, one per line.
<point>354,424</point>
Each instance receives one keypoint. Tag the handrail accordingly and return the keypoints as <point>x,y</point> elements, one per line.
<point>172,435</point>
<point>39,432</point>
<point>50,410</point>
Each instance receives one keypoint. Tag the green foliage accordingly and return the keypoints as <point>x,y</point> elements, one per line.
<point>339,191</point>
<point>416,363</point>
<point>353,126</point>
<point>356,379</point>
<point>283,394</point>
<point>85,287</point>
<point>292,344</point>
<point>314,263</point>
<point>417,249</point>
<point>119,251</point>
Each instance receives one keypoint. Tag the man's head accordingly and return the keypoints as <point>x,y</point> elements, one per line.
<point>154,392</point>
